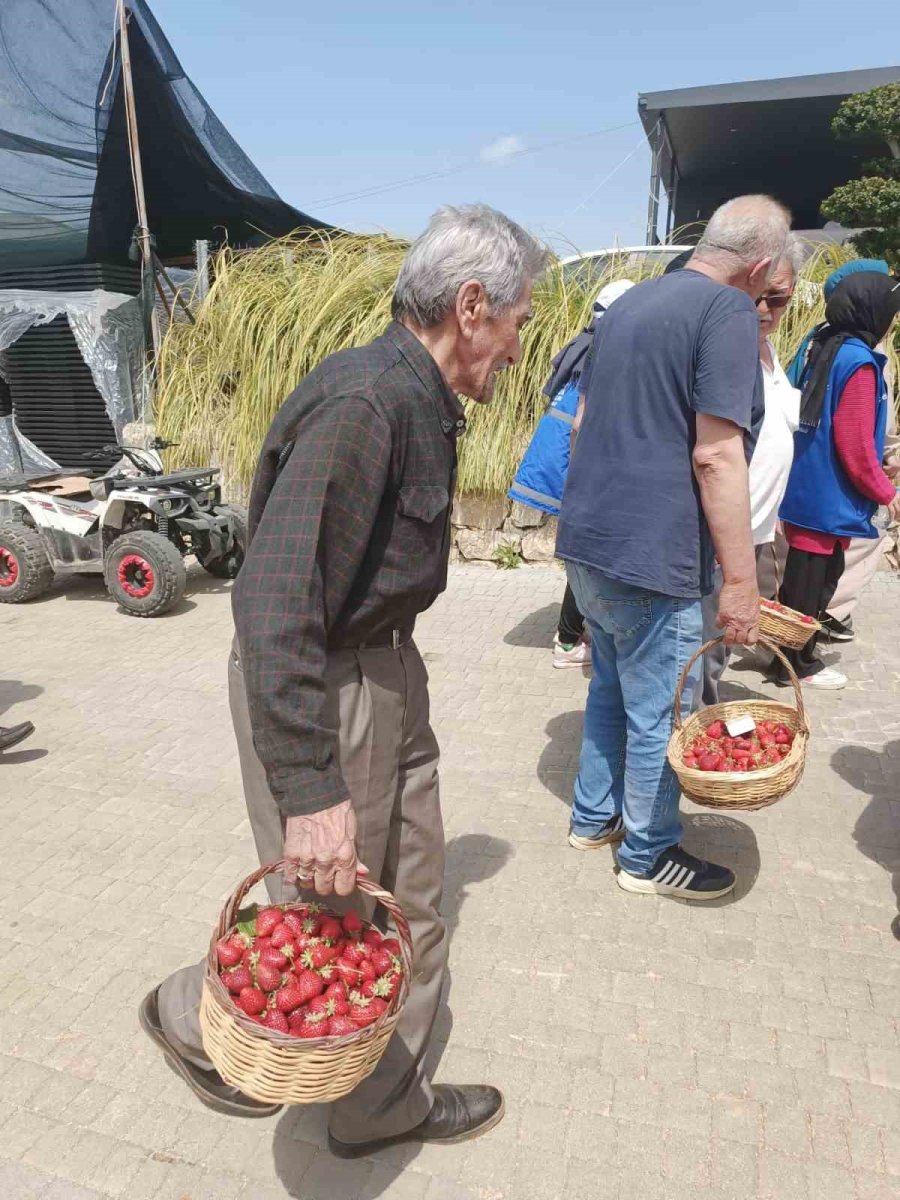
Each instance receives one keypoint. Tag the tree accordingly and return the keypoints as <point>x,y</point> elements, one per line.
<point>872,202</point>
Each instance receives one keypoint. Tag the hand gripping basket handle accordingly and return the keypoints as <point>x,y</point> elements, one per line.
<point>228,915</point>
<point>795,682</point>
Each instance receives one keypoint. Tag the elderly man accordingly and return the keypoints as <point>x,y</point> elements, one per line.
<point>657,490</point>
<point>349,524</point>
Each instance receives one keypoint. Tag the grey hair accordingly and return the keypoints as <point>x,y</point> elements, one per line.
<point>461,244</point>
<point>793,255</point>
<point>744,231</point>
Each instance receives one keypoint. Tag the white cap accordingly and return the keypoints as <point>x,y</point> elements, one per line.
<point>607,295</point>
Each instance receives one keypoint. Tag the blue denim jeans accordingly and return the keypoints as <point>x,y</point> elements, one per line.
<point>640,642</point>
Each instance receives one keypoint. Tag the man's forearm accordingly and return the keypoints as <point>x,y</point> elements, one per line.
<point>724,494</point>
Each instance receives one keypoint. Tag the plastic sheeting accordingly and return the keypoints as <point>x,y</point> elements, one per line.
<point>66,192</point>
<point>108,329</point>
<point>19,456</point>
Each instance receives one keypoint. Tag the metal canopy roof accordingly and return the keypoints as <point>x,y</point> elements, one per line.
<point>771,135</point>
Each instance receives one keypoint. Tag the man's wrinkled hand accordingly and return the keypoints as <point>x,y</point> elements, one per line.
<point>324,846</point>
<point>739,613</point>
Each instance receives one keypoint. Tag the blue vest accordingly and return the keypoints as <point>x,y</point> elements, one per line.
<point>540,479</point>
<point>819,494</point>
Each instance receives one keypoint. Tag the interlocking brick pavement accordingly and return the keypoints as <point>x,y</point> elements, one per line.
<point>748,1049</point>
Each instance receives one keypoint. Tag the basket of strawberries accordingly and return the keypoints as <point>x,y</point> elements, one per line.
<point>785,626</point>
<point>744,754</point>
<point>299,1002</point>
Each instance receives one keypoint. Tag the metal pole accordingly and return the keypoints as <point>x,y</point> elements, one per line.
<point>137,172</point>
<point>201,257</point>
<point>653,207</point>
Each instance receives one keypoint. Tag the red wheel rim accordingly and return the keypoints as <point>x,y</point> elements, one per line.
<point>136,576</point>
<point>9,568</point>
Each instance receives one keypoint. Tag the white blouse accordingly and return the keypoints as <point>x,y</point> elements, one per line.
<point>774,453</point>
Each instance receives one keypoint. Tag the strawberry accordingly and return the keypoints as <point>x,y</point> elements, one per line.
<point>310,1026</point>
<point>372,937</point>
<point>381,960</point>
<point>228,954</point>
<point>321,1006</point>
<point>392,983</point>
<point>341,1025</point>
<point>330,929</point>
<point>274,958</point>
<point>361,1012</point>
<point>317,956</point>
<point>716,730</point>
<point>709,762</point>
<point>348,974</point>
<point>274,1019</point>
<point>267,921</point>
<point>355,953</point>
<point>352,923</point>
<point>311,925</point>
<point>289,997</point>
<point>268,977</point>
<point>294,921</point>
<point>690,761</point>
<point>328,973</point>
<point>237,979</point>
<point>251,1001</point>
<point>282,936</point>
<point>337,995</point>
<point>308,984</point>
<point>367,970</point>
<point>378,1006</point>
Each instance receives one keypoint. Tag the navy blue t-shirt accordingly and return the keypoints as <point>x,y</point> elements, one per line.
<point>666,350</point>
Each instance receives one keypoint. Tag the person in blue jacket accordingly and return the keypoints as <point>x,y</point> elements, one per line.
<point>541,477</point>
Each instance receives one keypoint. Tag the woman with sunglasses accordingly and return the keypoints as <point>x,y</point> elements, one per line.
<point>837,482</point>
<point>773,454</point>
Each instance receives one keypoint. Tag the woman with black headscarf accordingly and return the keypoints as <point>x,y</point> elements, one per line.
<point>837,483</point>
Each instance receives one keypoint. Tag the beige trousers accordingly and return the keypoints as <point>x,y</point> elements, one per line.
<point>861,561</point>
<point>378,702</point>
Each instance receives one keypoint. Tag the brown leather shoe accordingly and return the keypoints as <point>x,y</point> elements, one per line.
<point>14,734</point>
<point>458,1114</point>
<point>208,1086</point>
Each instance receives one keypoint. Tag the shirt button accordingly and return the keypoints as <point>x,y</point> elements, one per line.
<point>461,424</point>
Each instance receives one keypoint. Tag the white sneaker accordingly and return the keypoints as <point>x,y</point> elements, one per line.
<point>828,680</point>
<point>578,656</point>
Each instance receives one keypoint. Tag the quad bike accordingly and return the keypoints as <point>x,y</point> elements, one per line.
<point>135,525</point>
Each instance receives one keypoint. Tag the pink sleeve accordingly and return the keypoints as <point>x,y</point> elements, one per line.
<point>854,424</point>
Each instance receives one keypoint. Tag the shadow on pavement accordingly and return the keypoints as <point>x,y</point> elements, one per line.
<point>471,859</point>
<point>558,763</point>
<point>537,630</point>
<point>877,832</point>
<point>13,691</point>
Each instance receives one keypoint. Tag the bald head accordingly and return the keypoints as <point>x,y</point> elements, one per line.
<point>743,242</point>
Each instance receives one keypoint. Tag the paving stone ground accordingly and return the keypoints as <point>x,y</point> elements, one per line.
<point>746,1050</point>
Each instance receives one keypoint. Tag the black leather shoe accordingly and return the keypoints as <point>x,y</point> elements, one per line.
<point>15,734</point>
<point>458,1114</point>
<point>208,1086</point>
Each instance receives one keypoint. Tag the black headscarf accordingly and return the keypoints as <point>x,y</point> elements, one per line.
<point>861,306</point>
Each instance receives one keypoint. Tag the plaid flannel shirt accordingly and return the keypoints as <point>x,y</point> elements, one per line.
<point>349,538</point>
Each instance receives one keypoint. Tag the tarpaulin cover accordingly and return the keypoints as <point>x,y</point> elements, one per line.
<point>66,191</point>
<point>108,329</point>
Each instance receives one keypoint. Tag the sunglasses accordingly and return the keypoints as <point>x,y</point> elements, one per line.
<point>776,300</point>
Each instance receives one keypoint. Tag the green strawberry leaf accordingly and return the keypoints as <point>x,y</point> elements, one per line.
<point>246,922</point>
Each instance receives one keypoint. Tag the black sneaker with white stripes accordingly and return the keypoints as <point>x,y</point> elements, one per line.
<point>612,831</point>
<point>677,873</point>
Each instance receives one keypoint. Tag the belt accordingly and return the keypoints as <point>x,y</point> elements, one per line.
<point>388,639</point>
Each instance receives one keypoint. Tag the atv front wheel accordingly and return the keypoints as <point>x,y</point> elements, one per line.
<point>144,574</point>
<point>25,569</point>
<point>229,564</point>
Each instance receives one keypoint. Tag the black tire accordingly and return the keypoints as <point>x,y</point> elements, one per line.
<point>152,581</point>
<point>25,569</point>
<point>229,564</point>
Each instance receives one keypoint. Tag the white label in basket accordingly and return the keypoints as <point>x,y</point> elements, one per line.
<point>739,726</point>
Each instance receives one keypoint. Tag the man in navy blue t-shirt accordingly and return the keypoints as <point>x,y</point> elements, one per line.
<point>656,492</point>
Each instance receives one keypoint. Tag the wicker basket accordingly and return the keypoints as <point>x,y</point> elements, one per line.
<point>788,628</point>
<point>735,789</point>
<point>275,1067</point>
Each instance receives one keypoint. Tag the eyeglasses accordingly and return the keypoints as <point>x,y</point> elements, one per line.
<point>776,300</point>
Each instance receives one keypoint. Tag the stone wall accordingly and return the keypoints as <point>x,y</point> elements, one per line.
<point>482,525</point>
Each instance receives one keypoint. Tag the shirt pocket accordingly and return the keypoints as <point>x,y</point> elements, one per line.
<point>422,502</point>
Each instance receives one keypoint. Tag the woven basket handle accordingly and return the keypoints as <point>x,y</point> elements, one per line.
<point>777,572</point>
<point>228,915</point>
<point>792,675</point>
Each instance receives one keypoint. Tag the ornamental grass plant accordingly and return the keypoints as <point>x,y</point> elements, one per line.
<point>274,313</point>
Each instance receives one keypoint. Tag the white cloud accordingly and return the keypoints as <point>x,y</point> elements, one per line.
<point>496,153</point>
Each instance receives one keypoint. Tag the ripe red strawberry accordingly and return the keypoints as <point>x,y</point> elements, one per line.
<point>367,970</point>
<point>267,921</point>
<point>317,956</point>
<point>337,994</point>
<point>268,977</point>
<point>372,937</point>
<point>282,936</point>
<point>276,1020</point>
<point>311,924</point>
<point>310,1026</point>
<point>392,983</point>
<point>341,1025</point>
<point>330,929</point>
<point>308,984</point>
<point>348,974</point>
<point>228,954</point>
<point>237,979</point>
<point>381,960</point>
<point>251,1001</point>
<point>355,953</point>
<point>361,1012</point>
<point>715,730</point>
<point>321,1006</point>
<point>352,923</point>
<point>378,1006</point>
<point>274,958</point>
<point>290,997</point>
<point>392,946</point>
<point>294,921</point>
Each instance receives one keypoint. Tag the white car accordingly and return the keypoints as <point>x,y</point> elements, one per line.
<point>592,268</point>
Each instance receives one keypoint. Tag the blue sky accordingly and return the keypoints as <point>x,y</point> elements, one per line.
<point>336,98</point>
